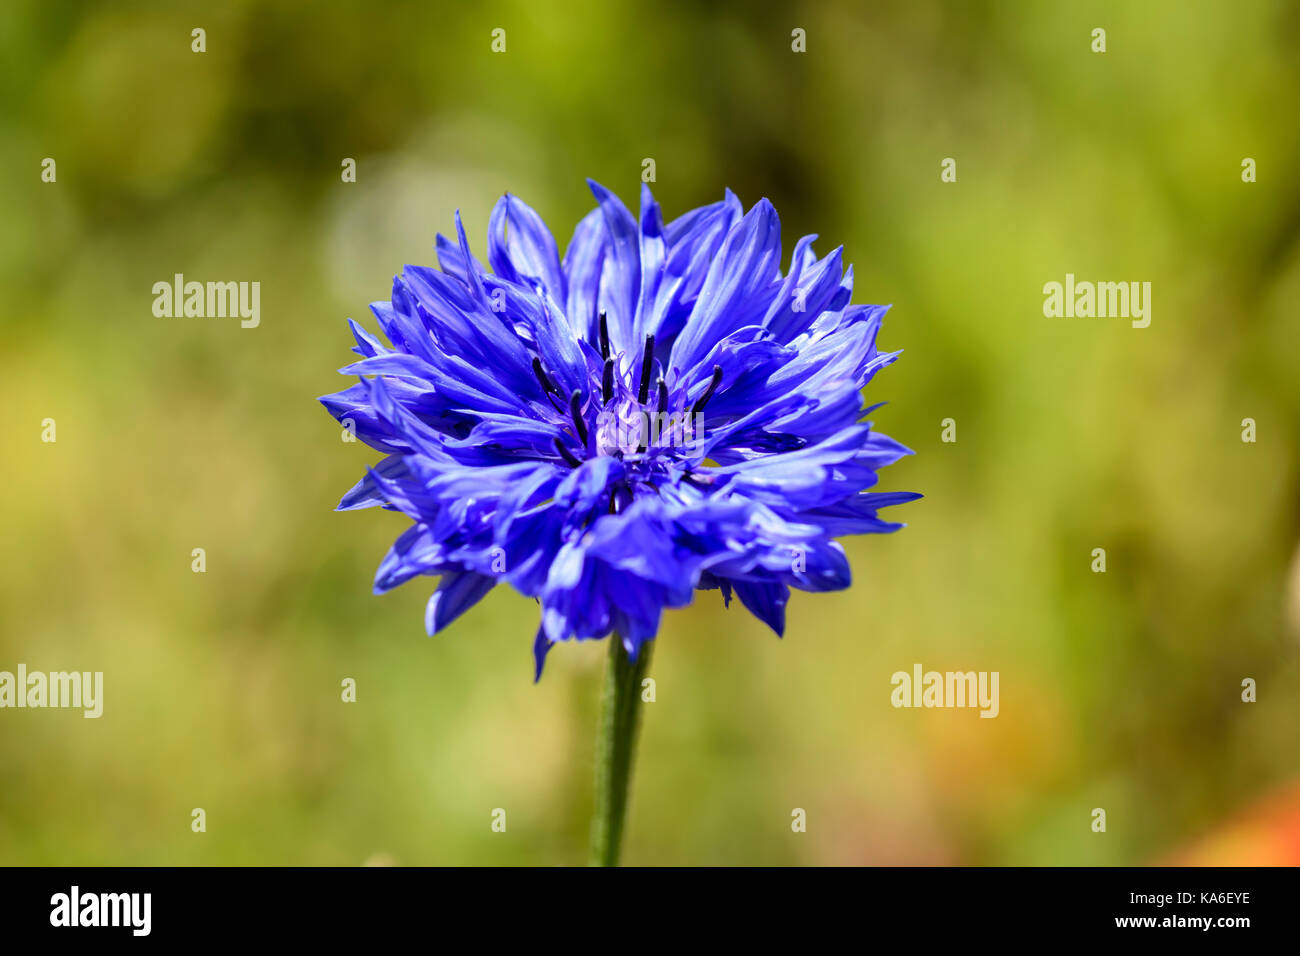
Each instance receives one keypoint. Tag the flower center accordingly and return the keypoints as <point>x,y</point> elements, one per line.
<point>628,428</point>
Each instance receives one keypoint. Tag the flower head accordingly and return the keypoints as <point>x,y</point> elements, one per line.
<point>660,411</point>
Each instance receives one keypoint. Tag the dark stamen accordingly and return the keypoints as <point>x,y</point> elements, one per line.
<point>566,454</point>
<point>647,360</point>
<point>708,392</point>
<point>607,381</point>
<point>663,395</point>
<point>643,432</point>
<point>575,409</point>
<point>541,376</point>
<point>604,338</point>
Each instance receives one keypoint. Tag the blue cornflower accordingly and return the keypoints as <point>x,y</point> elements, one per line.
<point>659,412</point>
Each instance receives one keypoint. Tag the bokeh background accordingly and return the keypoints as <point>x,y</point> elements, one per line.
<point>1119,690</point>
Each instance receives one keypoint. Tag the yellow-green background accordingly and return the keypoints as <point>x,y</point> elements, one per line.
<point>1118,690</point>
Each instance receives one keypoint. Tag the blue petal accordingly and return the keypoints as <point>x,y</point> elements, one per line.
<point>765,601</point>
<point>620,277</point>
<point>740,280</point>
<point>541,647</point>
<point>457,593</point>
<point>522,249</point>
<point>584,262</point>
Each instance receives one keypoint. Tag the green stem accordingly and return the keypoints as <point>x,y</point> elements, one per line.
<point>616,748</point>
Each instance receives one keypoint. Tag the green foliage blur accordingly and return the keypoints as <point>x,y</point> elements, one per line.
<point>1119,690</point>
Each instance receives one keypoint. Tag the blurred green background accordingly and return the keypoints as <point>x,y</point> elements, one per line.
<point>222,690</point>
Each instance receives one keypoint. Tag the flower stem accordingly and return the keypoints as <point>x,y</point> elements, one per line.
<point>616,748</point>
